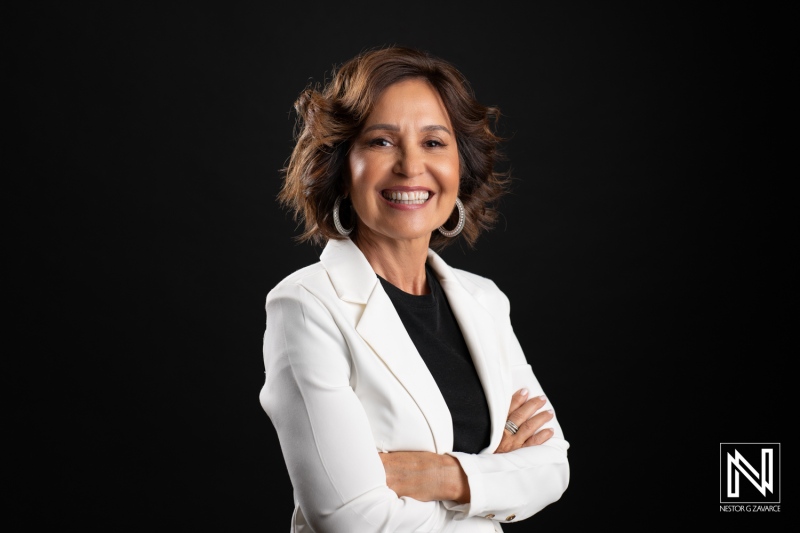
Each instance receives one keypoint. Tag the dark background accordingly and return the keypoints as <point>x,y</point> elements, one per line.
<point>644,246</point>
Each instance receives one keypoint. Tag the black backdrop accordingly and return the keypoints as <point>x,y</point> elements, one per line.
<point>642,246</point>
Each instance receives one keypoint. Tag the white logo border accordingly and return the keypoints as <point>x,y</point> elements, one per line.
<point>722,474</point>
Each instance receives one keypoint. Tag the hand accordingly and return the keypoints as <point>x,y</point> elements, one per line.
<point>521,413</point>
<point>425,476</point>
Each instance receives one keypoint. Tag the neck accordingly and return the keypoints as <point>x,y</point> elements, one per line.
<point>400,262</point>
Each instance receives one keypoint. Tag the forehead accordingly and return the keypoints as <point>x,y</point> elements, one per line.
<point>411,99</point>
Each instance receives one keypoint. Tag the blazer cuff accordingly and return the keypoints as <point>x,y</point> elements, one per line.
<point>477,500</point>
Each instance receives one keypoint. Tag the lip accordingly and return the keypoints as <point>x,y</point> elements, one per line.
<point>406,188</point>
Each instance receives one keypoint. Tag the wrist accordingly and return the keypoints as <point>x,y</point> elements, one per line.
<point>455,483</point>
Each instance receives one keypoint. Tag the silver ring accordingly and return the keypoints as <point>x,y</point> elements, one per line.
<point>511,427</point>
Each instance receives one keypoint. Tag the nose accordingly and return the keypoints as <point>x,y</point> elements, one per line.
<point>410,161</point>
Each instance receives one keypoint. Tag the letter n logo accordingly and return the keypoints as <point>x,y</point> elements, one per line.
<point>750,472</point>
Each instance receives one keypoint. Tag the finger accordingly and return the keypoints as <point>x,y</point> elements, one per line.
<point>534,424</point>
<point>527,410</point>
<point>540,437</point>
<point>518,399</point>
<point>529,432</point>
<point>508,443</point>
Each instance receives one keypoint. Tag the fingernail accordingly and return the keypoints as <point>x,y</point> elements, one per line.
<point>543,398</point>
<point>524,392</point>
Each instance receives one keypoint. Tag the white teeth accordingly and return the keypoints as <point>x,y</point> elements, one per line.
<point>407,197</point>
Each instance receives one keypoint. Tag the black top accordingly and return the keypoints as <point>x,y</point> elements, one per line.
<point>432,326</point>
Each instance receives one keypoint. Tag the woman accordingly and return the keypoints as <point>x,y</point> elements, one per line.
<point>400,395</point>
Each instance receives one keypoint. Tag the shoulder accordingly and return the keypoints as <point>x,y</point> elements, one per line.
<point>296,284</point>
<point>483,289</point>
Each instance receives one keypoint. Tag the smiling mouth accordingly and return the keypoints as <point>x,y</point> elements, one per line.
<point>406,197</point>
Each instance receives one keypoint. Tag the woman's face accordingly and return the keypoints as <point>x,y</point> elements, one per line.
<point>403,166</point>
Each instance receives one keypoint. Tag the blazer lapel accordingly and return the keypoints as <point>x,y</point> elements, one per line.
<point>381,328</point>
<point>477,326</point>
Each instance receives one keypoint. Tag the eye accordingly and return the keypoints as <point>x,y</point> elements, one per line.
<point>434,143</point>
<point>379,141</point>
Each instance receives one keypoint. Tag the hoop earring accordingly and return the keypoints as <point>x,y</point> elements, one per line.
<point>337,222</point>
<point>461,217</point>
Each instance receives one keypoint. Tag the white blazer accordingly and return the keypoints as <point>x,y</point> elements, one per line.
<point>344,381</point>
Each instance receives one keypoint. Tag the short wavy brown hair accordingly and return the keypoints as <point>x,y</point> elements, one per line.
<point>328,118</point>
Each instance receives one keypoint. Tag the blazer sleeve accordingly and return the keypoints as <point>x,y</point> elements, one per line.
<point>338,478</point>
<point>515,485</point>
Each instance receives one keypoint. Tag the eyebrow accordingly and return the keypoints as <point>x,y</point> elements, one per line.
<point>392,127</point>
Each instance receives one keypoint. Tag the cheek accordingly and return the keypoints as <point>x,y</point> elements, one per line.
<point>358,181</point>
<point>357,167</point>
<point>363,174</point>
<point>449,172</point>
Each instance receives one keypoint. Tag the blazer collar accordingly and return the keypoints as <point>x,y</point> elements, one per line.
<point>478,327</point>
<point>355,281</point>
<point>351,274</point>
